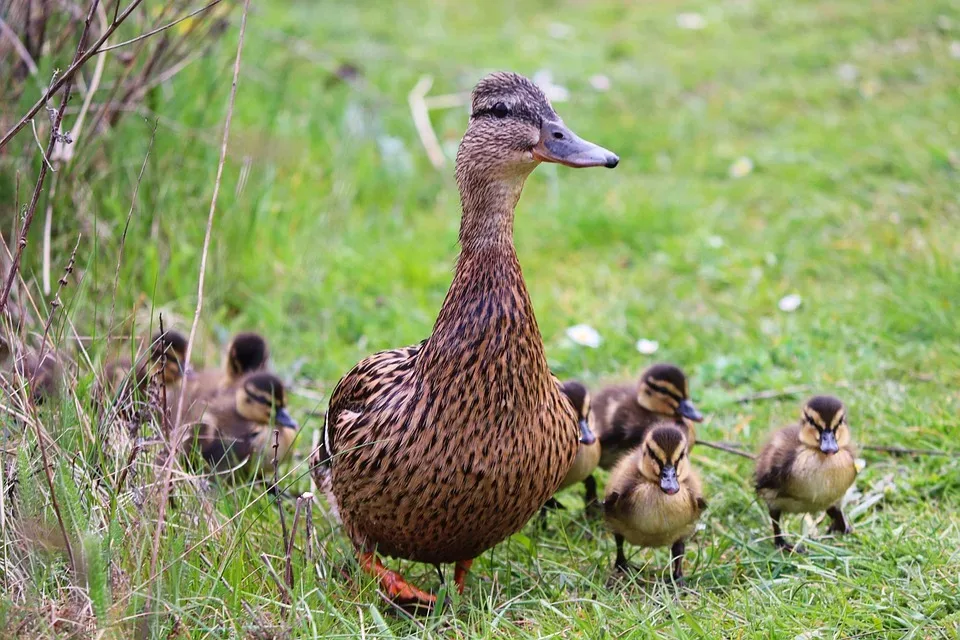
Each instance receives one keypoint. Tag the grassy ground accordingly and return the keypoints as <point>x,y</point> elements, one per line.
<point>340,240</point>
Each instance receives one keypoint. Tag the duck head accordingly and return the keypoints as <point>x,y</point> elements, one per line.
<point>664,458</point>
<point>663,390</point>
<point>579,397</point>
<point>260,399</point>
<point>168,353</point>
<point>247,352</point>
<point>823,425</point>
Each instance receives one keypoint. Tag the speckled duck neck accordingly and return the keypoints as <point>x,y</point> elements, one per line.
<point>486,331</point>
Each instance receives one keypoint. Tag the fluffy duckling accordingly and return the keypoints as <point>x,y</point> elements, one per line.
<point>622,414</point>
<point>43,375</point>
<point>654,498</point>
<point>808,467</point>
<point>122,380</point>
<point>589,453</point>
<point>246,353</point>
<point>239,425</point>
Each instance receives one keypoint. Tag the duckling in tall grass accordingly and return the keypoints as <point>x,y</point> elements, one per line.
<point>243,427</point>
<point>165,357</point>
<point>808,467</point>
<point>588,455</point>
<point>42,374</point>
<point>654,497</point>
<point>246,353</point>
<point>622,414</point>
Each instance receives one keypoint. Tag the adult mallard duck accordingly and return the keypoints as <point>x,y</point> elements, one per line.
<point>438,451</point>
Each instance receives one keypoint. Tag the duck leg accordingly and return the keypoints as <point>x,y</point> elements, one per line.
<point>840,523</point>
<point>621,564</point>
<point>778,538</point>
<point>590,496</point>
<point>394,585</point>
<point>676,552</point>
<point>460,572</point>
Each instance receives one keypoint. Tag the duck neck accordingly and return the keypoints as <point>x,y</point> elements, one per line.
<point>487,324</point>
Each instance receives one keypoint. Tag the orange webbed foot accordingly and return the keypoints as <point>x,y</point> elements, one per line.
<point>395,586</point>
<point>460,574</point>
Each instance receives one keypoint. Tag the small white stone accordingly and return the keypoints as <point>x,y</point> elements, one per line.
<point>848,73</point>
<point>647,347</point>
<point>742,166</point>
<point>559,30</point>
<point>860,464</point>
<point>714,242</point>
<point>790,303</point>
<point>600,82</point>
<point>691,21</point>
<point>584,335</point>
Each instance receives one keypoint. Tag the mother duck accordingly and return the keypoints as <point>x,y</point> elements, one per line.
<point>438,451</point>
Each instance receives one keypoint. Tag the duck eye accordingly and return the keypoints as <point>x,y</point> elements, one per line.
<point>500,110</point>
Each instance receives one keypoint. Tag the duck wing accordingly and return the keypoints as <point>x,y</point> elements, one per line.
<point>369,381</point>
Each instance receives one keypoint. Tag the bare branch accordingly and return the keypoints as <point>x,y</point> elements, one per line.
<point>159,29</point>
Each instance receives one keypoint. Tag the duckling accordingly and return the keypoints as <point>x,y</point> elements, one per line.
<point>437,452</point>
<point>247,352</point>
<point>122,381</point>
<point>43,375</point>
<point>808,467</point>
<point>238,426</point>
<point>654,498</point>
<point>622,414</point>
<point>589,453</point>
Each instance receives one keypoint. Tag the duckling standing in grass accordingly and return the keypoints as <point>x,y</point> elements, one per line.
<point>622,414</point>
<point>589,453</point>
<point>43,376</point>
<point>244,426</point>
<point>166,356</point>
<point>808,467</point>
<point>654,497</point>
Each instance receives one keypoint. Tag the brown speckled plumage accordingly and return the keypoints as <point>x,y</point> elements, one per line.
<point>438,451</point>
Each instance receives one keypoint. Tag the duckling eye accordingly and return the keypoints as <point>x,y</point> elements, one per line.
<point>500,110</point>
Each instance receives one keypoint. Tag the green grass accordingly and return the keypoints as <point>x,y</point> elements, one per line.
<point>342,242</point>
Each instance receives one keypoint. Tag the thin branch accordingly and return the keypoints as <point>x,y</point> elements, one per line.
<point>54,135</point>
<point>159,29</point>
<point>773,394</point>
<point>178,428</point>
<point>729,448</point>
<point>421,120</point>
<point>78,61</point>
<point>901,451</point>
<point>282,588</point>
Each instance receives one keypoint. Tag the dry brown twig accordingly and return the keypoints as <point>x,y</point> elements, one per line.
<point>178,428</point>
<point>729,448</point>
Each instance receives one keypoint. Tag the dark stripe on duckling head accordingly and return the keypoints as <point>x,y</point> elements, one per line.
<point>823,412</point>
<point>248,352</point>
<point>668,379</point>
<point>666,442</point>
<point>265,388</point>
<point>576,393</point>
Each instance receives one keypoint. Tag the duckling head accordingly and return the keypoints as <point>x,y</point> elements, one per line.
<point>823,425</point>
<point>260,399</point>
<point>579,397</point>
<point>664,457</point>
<point>247,352</point>
<point>168,352</point>
<point>513,128</point>
<point>663,390</point>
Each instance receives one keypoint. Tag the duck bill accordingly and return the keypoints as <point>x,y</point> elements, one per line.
<point>688,411</point>
<point>668,480</point>
<point>828,443</point>
<point>284,419</point>
<point>586,435</point>
<point>561,145</point>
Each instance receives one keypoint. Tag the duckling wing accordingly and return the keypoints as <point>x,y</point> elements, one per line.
<point>367,382</point>
<point>776,460</point>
